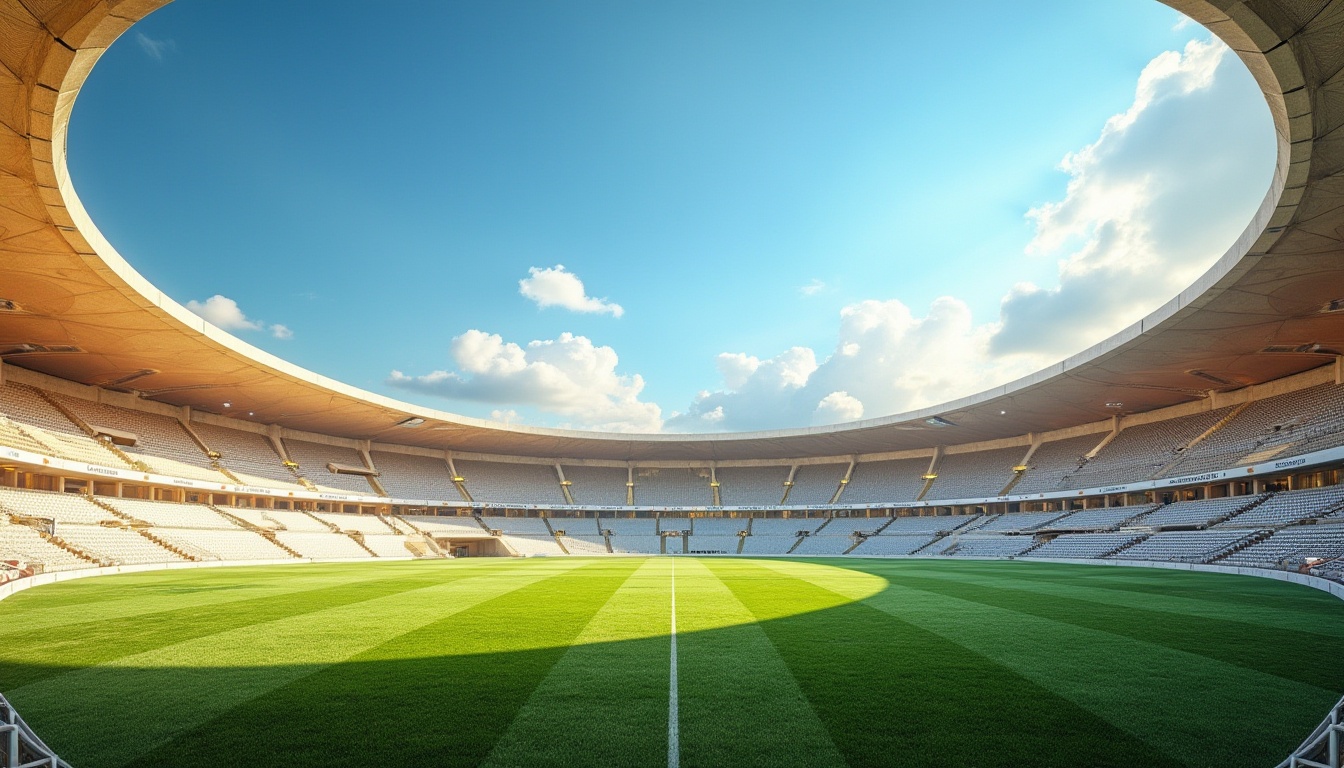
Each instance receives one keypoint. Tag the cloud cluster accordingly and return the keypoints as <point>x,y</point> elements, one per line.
<point>223,312</point>
<point>1148,207</point>
<point>555,287</point>
<point>885,360</point>
<point>568,376</point>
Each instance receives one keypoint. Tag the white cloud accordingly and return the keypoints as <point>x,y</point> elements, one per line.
<point>154,49</point>
<point>506,416</point>
<point>1148,207</point>
<point>223,312</point>
<point>555,287</point>
<point>837,407</point>
<point>568,376</point>
<point>885,360</point>
<point>813,287</point>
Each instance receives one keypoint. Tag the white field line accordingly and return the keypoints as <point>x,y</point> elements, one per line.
<point>673,714</point>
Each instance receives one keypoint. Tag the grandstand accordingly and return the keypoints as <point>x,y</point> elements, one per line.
<point>517,483</point>
<point>883,481</point>
<point>1173,442</point>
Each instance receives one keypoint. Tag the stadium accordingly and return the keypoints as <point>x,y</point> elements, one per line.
<point>1133,557</point>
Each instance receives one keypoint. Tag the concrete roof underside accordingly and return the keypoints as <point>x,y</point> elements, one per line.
<point>85,315</point>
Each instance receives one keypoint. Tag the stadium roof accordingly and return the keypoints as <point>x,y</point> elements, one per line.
<point>72,307</point>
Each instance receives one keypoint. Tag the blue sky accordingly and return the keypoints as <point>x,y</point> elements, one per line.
<point>768,214</point>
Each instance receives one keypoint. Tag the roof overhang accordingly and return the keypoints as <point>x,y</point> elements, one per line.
<point>82,313</point>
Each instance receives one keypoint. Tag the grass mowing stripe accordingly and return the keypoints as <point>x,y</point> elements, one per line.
<point>439,695</point>
<point>1198,710</point>
<point>740,703</point>
<point>892,693</point>
<point>49,653</point>
<point>161,693</point>
<point>1210,587</point>
<point>1254,607</point>
<point>1285,653</point>
<point>605,701</point>
<point>112,597</point>
<point>673,710</point>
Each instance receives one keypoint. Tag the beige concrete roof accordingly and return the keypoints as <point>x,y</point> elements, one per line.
<point>84,314</point>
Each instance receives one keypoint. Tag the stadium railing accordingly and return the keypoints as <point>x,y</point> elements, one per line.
<point>19,746</point>
<point>1322,748</point>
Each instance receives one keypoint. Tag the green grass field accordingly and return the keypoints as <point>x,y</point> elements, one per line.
<point>566,662</point>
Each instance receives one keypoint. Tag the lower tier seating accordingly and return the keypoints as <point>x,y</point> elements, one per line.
<point>1084,545</point>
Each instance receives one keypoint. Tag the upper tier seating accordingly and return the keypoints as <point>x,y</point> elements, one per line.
<point>1084,545</point>
<point>60,507</point>
<point>21,543</point>
<point>929,523</point>
<point>673,487</point>
<point>714,545</point>
<point>1291,547</point>
<point>719,526</point>
<point>1290,507</point>
<point>415,477</point>
<point>815,484</point>
<point>13,435</point>
<point>1138,452</point>
<point>170,515</point>
<point>1017,521</point>
<point>161,442</point>
<point>1298,422</point>
<point>223,545</point>
<point>528,526</point>
<point>497,482</point>
<point>975,475</point>
<point>1053,461</point>
<point>886,546</point>
<point>988,546</point>
<point>313,458</point>
<point>321,545</point>
<point>248,455</point>
<point>597,486</point>
<point>45,424</point>
<point>1196,513</point>
<point>751,486</point>
<point>884,482</point>
<point>1097,519</point>
<point>118,546</point>
<point>1184,546</point>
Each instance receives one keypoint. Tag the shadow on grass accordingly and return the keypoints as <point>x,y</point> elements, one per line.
<point>887,692</point>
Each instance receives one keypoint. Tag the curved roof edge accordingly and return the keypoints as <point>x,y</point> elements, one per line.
<point>127,333</point>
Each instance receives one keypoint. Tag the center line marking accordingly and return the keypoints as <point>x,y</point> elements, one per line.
<point>673,715</point>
